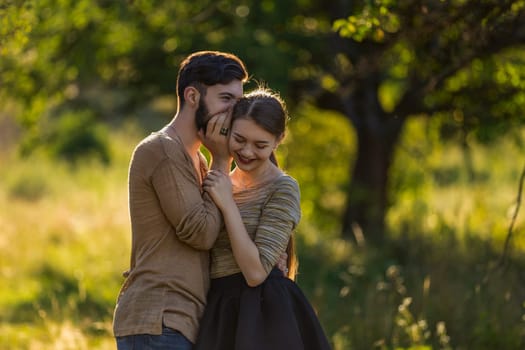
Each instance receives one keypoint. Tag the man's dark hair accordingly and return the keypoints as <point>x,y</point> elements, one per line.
<point>206,68</point>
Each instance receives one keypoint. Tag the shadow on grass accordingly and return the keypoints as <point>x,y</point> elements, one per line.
<point>416,292</point>
<point>61,297</point>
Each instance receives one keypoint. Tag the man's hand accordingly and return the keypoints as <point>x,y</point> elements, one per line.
<point>216,140</point>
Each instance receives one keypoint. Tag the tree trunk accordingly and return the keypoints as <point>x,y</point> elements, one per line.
<point>367,198</point>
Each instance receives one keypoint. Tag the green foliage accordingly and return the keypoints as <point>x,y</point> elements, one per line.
<point>374,19</point>
<point>16,21</point>
<point>430,55</point>
<point>443,186</point>
<point>69,67</point>
<point>76,135</point>
<point>71,135</point>
<point>377,63</point>
<point>113,58</point>
<point>321,139</point>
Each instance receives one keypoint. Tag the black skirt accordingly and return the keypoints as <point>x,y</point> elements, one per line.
<point>272,316</point>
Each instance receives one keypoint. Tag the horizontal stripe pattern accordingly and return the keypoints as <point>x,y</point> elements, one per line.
<point>270,213</point>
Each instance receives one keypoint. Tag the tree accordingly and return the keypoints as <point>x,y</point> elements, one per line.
<point>381,62</point>
<point>378,63</point>
<point>395,60</point>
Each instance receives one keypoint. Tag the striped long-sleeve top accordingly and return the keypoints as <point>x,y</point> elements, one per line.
<point>270,213</point>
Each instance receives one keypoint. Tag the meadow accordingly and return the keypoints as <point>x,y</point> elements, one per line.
<point>440,282</point>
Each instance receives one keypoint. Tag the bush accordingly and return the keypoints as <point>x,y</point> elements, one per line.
<point>77,135</point>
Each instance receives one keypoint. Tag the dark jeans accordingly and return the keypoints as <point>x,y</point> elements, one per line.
<point>168,340</point>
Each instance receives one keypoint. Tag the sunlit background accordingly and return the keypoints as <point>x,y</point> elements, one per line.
<point>406,136</point>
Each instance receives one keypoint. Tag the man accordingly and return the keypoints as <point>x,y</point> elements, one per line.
<point>173,223</point>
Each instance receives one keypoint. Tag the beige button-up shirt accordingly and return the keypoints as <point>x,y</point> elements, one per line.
<point>173,226</point>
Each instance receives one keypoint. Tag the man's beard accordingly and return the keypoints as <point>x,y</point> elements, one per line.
<point>202,116</point>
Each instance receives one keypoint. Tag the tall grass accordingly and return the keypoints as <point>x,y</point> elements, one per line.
<point>64,242</point>
<point>439,281</point>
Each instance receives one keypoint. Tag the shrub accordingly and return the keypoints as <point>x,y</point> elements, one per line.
<point>77,135</point>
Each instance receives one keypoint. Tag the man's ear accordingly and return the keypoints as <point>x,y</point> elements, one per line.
<point>192,96</point>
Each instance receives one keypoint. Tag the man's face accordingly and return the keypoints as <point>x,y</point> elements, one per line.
<point>216,99</point>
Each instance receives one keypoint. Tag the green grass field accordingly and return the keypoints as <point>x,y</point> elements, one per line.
<point>64,242</point>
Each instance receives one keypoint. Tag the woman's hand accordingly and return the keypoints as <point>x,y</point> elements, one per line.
<point>246,253</point>
<point>219,187</point>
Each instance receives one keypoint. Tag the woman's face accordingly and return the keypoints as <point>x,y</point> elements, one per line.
<point>250,145</point>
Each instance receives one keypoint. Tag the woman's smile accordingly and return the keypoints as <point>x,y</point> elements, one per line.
<point>243,160</point>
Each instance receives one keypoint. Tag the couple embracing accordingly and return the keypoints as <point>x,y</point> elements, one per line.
<point>212,259</point>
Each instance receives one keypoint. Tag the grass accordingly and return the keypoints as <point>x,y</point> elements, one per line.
<point>436,284</point>
<point>65,241</point>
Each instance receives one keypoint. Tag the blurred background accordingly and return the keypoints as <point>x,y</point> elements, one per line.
<point>407,138</point>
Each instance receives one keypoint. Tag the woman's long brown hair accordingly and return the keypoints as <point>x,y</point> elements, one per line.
<point>292,262</point>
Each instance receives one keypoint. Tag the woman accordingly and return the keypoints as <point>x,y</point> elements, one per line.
<point>251,304</point>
